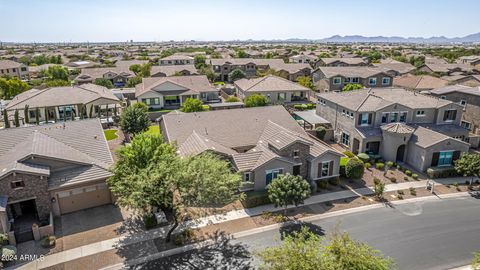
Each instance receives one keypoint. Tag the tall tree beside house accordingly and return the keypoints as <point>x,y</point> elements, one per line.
<point>352,86</point>
<point>132,82</point>
<point>142,70</point>
<point>241,54</point>
<point>135,68</point>
<point>5,119</point>
<point>199,61</point>
<point>192,105</point>
<point>468,165</point>
<point>256,100</point>
<point>26,116</point>
<point>104,82</point>
<point>16,119</point>
<point>208,71</point>
<point>306,82</point>
<point>56,83</point>
<point>10,87</point>
<point>236,74</point>
<point>305,249</point>
<point>288,190</point>
<point>56,73</point>
<point>37,116</point>
<point>134,119</point>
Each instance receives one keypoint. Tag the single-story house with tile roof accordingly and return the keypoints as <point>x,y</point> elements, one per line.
<point>65,103</point>
<point>117,75</point>
<point>419,83</point>
<point>55,168</point>
<point>340,62</point>
<point>276,89</point>
<point>171,92</point>
<point>260,142</point>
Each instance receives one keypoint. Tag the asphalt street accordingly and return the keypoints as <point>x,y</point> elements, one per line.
<point>440,234</point>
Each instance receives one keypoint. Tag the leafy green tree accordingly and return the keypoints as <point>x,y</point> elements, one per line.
<point>135,68</point>
<point>307,250</point>
<point>104,82</point>
<point>288,189</point>
<point>207,71</point>
<point>306,82</point>
<point>468,165</point>
<point>476,260</point>
<point>215,55</point>
<point>199,61</point>
<point>320,132</point>
<point>232,99</point>
<point>241,54</point>
<point>256,100</point>
<point>10,87</point>
<point>192,105</point>
<point>134,119</point>
<point>56,73</point>
<point>236,74</point>
<point>354,169</point>
<point>57,83</point>
<point>352,86</point>
<point>132,82</point>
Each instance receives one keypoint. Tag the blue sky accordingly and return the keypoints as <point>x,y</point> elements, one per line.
<point>148,20</point>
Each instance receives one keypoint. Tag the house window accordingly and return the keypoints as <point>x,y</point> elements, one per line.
<point>345,139</point>
<point>443,97</point>
<point>351,114</point>
<point>445,158</point>
<point>247,176</point>
<point>272,174</point>
<point>32,114</point>
<point>24,69</point>
<point>393,117</point>
<point>385,117</point>
<point>420,113</point>
<point>372,81</point>
<point>364,119</point>
<point>17,184</point>
<point>343,111</point>
<point>463,103</point>
<point>466,125</point>
<point>449,115</point>
<point>282,96</point>
<point>355,80</point>
<point>151,101</point>
<point>385,81</point>
<point>325,169</point>
<point>403,117</point>
<point>337,80</point>
<point>295,153</point>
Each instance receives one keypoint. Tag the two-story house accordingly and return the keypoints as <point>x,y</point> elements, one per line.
<point>176,59</point>
<point>398,124</point>
<point>171,92</point>
<point>13,69</point>
<point>335,78</point>
<point>117,75</point>
<point>469,99</point>
<point>302,59</point>
<point>261,143</point>
<point>340,62</point>
<point>222,67</point>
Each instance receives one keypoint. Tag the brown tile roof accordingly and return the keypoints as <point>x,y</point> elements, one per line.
<point>351,72</point>
<point>422,82</point>
<point>347,60</point>
<point>195,84</point>
<point>6,64</point>
<point>171,70</point>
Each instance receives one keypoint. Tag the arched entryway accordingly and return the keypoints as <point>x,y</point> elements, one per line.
<point>401,153</point>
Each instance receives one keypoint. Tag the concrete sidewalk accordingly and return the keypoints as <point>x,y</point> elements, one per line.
<point>94,248</point>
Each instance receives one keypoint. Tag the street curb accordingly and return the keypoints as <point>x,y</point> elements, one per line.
<point>179,250</point>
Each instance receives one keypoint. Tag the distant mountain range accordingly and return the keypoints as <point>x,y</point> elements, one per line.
<point>473,38</point>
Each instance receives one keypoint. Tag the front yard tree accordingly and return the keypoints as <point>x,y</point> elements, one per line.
<point>306,82</point>
<point>199,61</point>
<point>134,119</point>
<point>378,188</point>
<point>192,105</point>
<point>204,180</point>
<point>143,173</point>
<point>306,250</point>
<point>104,82</point>
<point>352,86</point>
<point>256,100</point>
<point>476,260</point>
<point>288,190</point>
<point>468,165</point>
<point>236,74</point>
<point>10,87</point>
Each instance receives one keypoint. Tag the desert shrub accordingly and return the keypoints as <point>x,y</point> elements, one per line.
<point>48,241</point>
<point>393,179</point>
<point>255,198</point>
<point>354,169</point>
<point>349,154</point>
<point>415,176</point>
<point>310,106</point>
<point>413,192</point>
<point>408,173</point>
<point>149,220</point>
<point>376,181</point>
<point>379,166</point>
<point>3,239</point>
<point>367,165</point>
<point>400,197</point>
<point>298,107</point>
<point>8,253</point>
<point>390,164</point>
<point>183,237</point>
<point>364,157</point>
<point>399,167</point>
<point>400,192</point>
<point>436,172</point>
<point>320,132</point>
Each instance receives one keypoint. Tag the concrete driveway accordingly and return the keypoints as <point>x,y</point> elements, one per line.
<point>89,225</point>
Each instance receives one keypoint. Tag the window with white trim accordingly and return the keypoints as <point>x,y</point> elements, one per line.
<point>295,153</point>
<point>372,81</point>
<point>386,81</point>
<point>420,113</point>
<point>337,80</point>
<point>247,176</point>
<point>325,168</point>
<point>345,139</point>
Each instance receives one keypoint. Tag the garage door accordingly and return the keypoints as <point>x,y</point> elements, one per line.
<point>82,198</point>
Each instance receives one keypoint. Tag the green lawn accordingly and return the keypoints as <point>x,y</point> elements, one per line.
<point>111,134</point>
<point>153,130</point>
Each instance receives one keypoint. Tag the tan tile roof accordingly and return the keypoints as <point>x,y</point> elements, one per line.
<point>58,96</point>
<point>171,70</point>
<point>348,60</point>
<point>195,83</point>
<point>6,64</point>
<point>456,88</point>
<point>422,82</point>
<point>244,61</point>
<point>268,83</point>
<point>351,72</point>
<point>398,128</point>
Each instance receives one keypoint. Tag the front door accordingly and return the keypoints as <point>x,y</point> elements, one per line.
<point>296,170</point>
<point>401,153</point>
